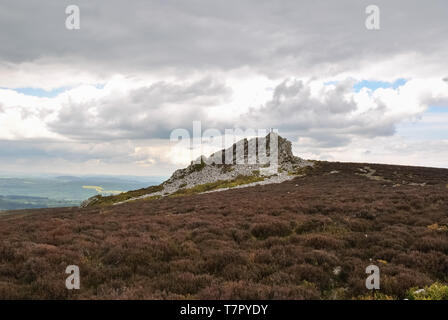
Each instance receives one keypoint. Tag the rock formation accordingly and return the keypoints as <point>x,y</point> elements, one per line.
<point>261,160</point>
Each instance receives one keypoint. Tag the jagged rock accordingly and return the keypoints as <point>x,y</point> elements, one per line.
<point>254,155</point>
<point>253,151</point>
<point>254,158</point>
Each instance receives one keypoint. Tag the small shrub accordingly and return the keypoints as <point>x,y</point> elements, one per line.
<point>227,168</point>
<point>322,241</point>
<point>376,295</point>
<point>199,166</point>
<point>436,291</point>
<point>184,283</point>
<point>276,229</point>
<point>310,226</point>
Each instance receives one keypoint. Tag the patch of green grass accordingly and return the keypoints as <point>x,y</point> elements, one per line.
<point>376,295</point>
<point>109,200</point>
<point>220,184</point>
<point>153,198</point>
<point>436,291</point>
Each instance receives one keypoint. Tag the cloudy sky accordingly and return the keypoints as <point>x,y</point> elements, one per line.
<point>104,99</point>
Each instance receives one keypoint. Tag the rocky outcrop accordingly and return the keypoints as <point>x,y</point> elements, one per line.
<point>242,158</point>
<point>263,160</point>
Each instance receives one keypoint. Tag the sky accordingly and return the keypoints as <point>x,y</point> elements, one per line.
<point>106,98</point>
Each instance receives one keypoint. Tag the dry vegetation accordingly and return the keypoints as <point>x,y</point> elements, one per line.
<point>220,184</point>
<point>279,241</point>
<point>102,201</point>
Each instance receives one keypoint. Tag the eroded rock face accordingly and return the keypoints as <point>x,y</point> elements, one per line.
<point>253,151</point>
<point>263,160</point>
<point>246,157</point>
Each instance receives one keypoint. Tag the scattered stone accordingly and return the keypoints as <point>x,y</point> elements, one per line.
<point>417,184</point>
<point>437,227</point>
<point>419,291</point>
<point>337,270</point>
<point>370,173</point>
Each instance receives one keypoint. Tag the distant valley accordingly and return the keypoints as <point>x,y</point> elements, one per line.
<point>63,191</point>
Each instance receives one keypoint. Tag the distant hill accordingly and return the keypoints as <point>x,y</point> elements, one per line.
<point>43,192</point>
<point>24,202</point>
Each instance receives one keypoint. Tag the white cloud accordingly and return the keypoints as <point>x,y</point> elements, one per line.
<point>326,117</point>
<point>334,114</point>
<point>134,75</point>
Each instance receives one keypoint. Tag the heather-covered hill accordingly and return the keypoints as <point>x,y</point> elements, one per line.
<point>307,238</point>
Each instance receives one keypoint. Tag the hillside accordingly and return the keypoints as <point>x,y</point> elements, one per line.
<point>310,237</point>
<point>245,163</point>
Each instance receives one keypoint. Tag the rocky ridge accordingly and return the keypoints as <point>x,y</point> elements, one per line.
<point>246,158</point>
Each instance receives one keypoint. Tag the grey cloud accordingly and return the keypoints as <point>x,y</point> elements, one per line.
<point>330,122</point>
<point>183,38</point>
<point>17,149</point>
<point>323,140</point>
<point>149,112</point>
<point>273,37</point>
<point>115,157</point>
<point>71,151</point>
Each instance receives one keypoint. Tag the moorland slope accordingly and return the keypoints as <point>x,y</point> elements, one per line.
<point>310,237</point>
